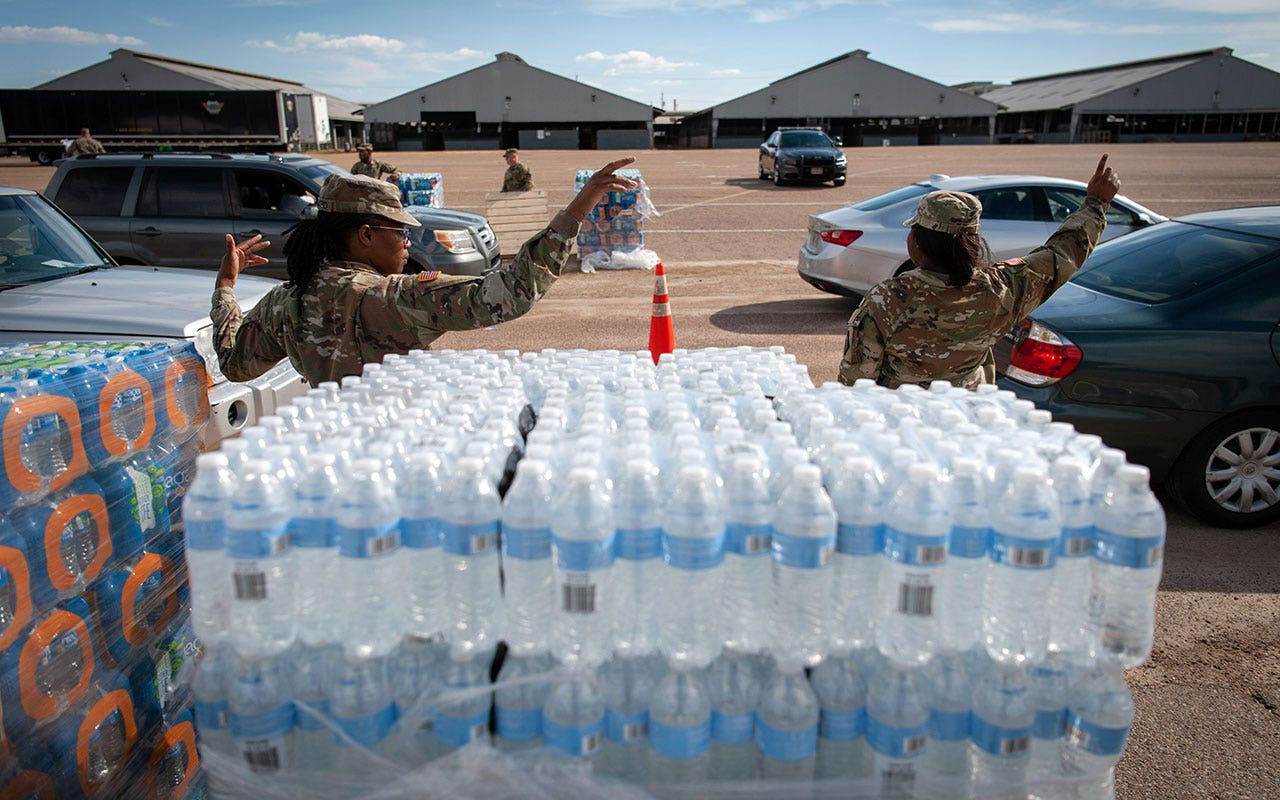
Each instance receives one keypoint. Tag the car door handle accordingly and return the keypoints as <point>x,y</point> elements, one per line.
<point>254,232</point>
<point>148,231</point>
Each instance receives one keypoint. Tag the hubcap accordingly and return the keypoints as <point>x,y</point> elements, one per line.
<point>1243,472</point>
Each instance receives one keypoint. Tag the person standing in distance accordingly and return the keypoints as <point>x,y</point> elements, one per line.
<point>85,144</point>
<point>374,169</point>
<point>347,302</point>
<point>517,178</point>
<point>940,320</point>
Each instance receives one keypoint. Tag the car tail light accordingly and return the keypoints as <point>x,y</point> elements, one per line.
<point>1041,356</point>
<point>842,238</point>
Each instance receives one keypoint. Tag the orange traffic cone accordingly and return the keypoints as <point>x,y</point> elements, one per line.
<point>662,333</point>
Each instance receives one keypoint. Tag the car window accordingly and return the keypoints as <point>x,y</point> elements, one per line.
<point>39,244</point>
<point>182,192</point>
<point>97,191</point>
<point>318,172</point>
<point>804,139</point>
<point>1170,260</point>
<point>1015,203</point>
<point>269,195</point>
<point>1063,202</point>
<point>889,198</point>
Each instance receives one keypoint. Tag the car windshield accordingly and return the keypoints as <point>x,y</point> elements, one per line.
<point>896,196</point>
<point>37,243</point>
<point>318,172</point>
<point>804,139</point>
<point>1170,260</point>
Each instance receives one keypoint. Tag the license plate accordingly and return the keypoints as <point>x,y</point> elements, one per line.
<point>815,170</point>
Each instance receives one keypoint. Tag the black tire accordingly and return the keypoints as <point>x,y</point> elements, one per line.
<point>839,181</point>
<point>44,158</point>
<point>764,176</point>
<point>1229,475</point>
<point>777,175</point>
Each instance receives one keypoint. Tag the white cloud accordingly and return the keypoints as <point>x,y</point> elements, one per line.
<point>1216,7</point>
<point>60,34</point>
<point>1006,23</point>
<point>725,73</point>
<point>632,61</point>
<point>667,82</point>
<point>360,43</point>
<point>160,22</point>
<point>461,54</point>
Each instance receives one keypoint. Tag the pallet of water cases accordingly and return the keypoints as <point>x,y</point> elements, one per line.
<point>97,441</point>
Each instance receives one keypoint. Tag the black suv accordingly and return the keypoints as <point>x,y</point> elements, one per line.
<point>175,209</point>
<point>801,154</point>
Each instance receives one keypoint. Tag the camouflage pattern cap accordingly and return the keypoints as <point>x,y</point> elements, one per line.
<point>947,212</point>
<point>364,147</point>
<point>360,194</point>
<point>510,151</point>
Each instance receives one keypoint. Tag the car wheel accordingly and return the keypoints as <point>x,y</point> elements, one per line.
<point>44,158</point>
<point>839,181</point>
<point>777,175</point>
<point>763,175</point>
<point>1229,475</point>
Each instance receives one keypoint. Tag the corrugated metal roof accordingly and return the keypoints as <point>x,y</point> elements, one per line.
<point>1039,94</point>
<point>221,76</point>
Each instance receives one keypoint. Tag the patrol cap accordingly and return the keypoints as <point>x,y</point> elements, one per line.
<point>947,212</point>
<point>364,146</point>
<point>510,151</point>
<point>360,194</point>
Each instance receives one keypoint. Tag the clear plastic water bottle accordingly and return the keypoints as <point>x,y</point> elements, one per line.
<point>627,683</point>
<point>1099,716</point>
<point>418,490</point>
<point>415,672</point>
<point>917,532</point>
<point>211,686</point>
<point>960,611</point>
<point>680,726</point>
<point>1003,717</point>
<point>1070,629</point>
<point>857,494</point>
<point>204,513</point>
<point>573,716</point>
<point>733,687</point>
<point>946,760</point>
<point>360,699</point>
<point>843,752</point>
<point>747,597</point>
<point>1128,560</point>
<point>469,516</point>
<point>582,540</point>
<point>787,726</point>
<point>897,728</point>
<point>637,566</point>
<point>262,715</point>
<point>522,688</point>
<point>526,557</point>
<point>312,672</point>
<point>804,543</point>
<point>1050,682</point>
<point>462,712</point>
<point>693,529</point>
<point>262,571</point>
<point>313,530</point>
<point>374,614</point>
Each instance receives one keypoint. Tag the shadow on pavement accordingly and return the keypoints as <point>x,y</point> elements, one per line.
<point>821,316</point>
<point>765,183</point>
<point>1199,558</point>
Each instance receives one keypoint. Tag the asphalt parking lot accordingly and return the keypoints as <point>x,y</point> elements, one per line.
<point>1208,701</point>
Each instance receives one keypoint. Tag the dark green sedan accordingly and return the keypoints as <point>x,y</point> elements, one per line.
<point>1167,345</point>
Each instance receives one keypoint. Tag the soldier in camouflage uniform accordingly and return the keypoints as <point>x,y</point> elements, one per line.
<point>346,301</point>
<point>517,178</point>
<point>85,144</point>
<point>939,321</point>
<point>367,166</point>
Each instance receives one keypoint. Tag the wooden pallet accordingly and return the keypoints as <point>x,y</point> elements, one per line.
<point>516,216</point>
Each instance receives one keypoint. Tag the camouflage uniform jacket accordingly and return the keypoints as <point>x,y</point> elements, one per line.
<point>85,144</point>
<point>518,178</point>
<point>374,169</point>
<point>915,328</point>
<point>351,315</point>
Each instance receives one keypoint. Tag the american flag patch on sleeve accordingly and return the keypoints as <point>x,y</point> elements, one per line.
<point>428,275</point>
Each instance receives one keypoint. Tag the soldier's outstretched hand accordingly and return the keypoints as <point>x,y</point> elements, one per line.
<point>601,181</point>
<point>1104,183</point>
<point>238,258</point>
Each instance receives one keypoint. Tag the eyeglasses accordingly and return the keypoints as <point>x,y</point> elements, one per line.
<point>404,232</point>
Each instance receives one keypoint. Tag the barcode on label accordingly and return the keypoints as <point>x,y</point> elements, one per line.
<point>1028,557</point>
<point>915,599</point>
<point>1079,547</point>
<point>591,743</point>
<point>578,599</point>
<point>251,586</point>
<point>896,777</point>
<point>1009,747</point>
<point>759,543</point>
<point>479,731</point>
<point>913,744</point>
<point>635,731</point>
<point>483,543</point>
<point>383,544</point>
<point>1155,555</point>
<point>931,554</point>
<point>262,756</point>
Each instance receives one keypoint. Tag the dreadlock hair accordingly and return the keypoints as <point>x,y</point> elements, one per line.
<point>312,242</point>
<point>955,254</point>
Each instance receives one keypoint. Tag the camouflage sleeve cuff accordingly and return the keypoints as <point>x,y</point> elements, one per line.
<point>224,300</point>
<point>1097,202</point>
<point>564,227</point>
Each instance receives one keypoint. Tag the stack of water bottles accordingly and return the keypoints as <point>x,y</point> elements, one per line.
<point>97,441</point>
<point>422,189</point>
<point>616,223</point>
<point>700,577</point>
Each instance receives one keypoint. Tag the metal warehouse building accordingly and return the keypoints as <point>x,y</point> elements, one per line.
<point>853,97</point>
<point>1208,95</point>
<point>507,103</point>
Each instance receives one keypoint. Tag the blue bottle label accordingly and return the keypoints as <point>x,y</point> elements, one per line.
<point>915,549</point>
<point>859,540</point>
<point>276,722</point>
<point>1094,739</point>
<point>733,728</point>
<point>1022,552</point>
<point>1050,724</point>
<point>891,742</point>
<point>748,540</point>
<point>370,542</point>
<point>998,740</point>
<point>680,742</point>
<point>307,721</point>
<point>574,555</point>
<point>307,532</point>
<point>693,553</point>
<point>460,731</point>
<point>526,544</point>
<point>803,552</point>
<point>369,729</point>
<point>578,740</point>
<point>420,534</point>
<point>213,714</point>
<point>949,726</point>
<point>627,728</point>
<point>638,544</point>
<point>968,542</point>
<point>256,544</point>
<point>476,539</point>
<point>1135,552</point>
<point>842,726</point>
<point>1076,542</point>
<point>782,745</point>
<point>519,726</point>
<point>205,535</point>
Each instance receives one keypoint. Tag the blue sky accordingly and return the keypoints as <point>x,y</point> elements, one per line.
<point>694,53</point>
